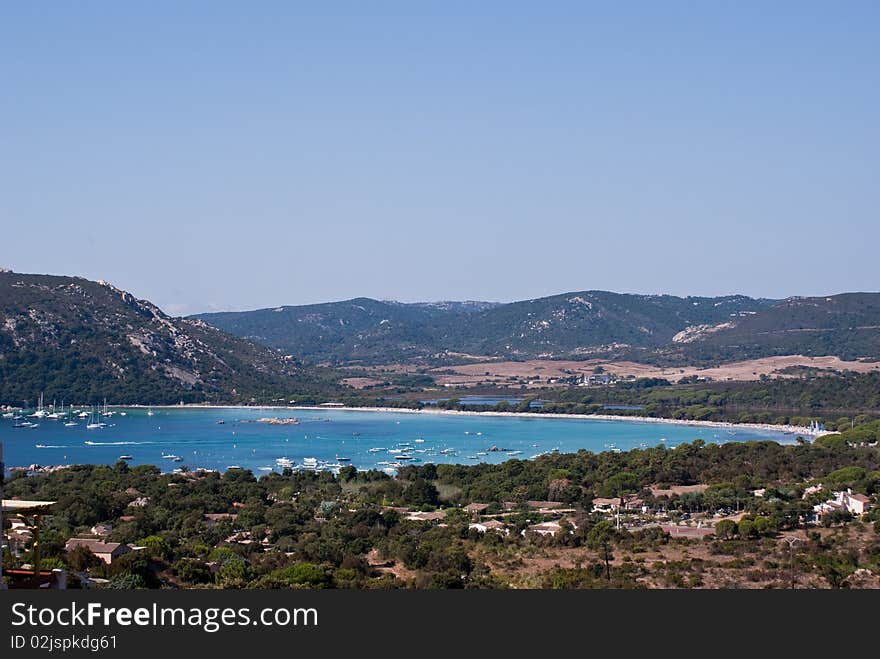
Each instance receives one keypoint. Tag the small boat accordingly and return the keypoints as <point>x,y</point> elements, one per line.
<point>70,424</point>
<point>338,459</point>
<point>264,468</point>
<point>177,458</point>
<point>94,425</point>
<point>232,467</point>
<point>125,457</point>
<point>8,415</point>
<point>169,456</point>
<point>221,422</point>
<point>150,411</point>
<point>515,453</point>
<point>376,449</point>
<point>419,441</point>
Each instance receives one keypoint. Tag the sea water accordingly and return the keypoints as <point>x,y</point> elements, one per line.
<point>219,438</point>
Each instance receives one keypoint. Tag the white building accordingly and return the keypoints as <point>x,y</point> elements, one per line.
<point>855,504</point>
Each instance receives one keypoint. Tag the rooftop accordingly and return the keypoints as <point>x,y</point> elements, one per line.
<point>18,505</point>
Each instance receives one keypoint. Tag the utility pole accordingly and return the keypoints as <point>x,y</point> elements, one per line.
<point>792,541</point>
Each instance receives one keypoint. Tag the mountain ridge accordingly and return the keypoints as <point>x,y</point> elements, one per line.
<point>87,340</point>
<point>575,324</point>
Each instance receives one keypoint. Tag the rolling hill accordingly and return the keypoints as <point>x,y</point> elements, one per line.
<point>83,341</point>
<point>576,324</point>
<point>652,328</point>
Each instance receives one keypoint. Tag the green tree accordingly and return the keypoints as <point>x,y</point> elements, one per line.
<point>82,559</point>
<point>725,529</point>
<point>601,537</point>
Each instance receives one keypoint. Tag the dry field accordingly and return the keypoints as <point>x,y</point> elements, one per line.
<point>767,567</point>
<point>499,373</point>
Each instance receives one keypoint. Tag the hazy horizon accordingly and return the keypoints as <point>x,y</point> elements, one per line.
<point>213,156</point>
<point>443,300</point>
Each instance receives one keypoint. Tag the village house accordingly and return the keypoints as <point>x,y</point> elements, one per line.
<point>811,490</point>
<point>608,505</point>
<point>854,504</point>
<point>102,530</point>
<point>419,516</point>
<point>490,525</point>
<point>106,551</point>
<point>544,528</point>
<point>211,519</point>
<point>475,508</point>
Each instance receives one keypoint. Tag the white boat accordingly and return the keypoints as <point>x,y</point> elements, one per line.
<point>310,463</point>
<point>8,415</point>
<point>376,449</point>
<point>125,457</point>
<point>95,425</point>
<point>169,456</point>
<point>339,459</point>
<point>264,468</point>
<point>70,424</point>
<point>150,411</point>
<point>40,413</point>
<point>419,441</point>
<point>228,467</point>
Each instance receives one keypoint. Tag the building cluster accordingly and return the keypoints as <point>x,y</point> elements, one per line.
<point>842,502</point>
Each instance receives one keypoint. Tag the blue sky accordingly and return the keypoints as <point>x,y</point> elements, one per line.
<point>212,155</point>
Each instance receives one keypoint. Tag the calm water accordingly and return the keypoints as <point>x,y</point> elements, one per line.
<point>328,435</point>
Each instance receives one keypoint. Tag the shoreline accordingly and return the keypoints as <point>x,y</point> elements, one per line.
<point>786,429</point>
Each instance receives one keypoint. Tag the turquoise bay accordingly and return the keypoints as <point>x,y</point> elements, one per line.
<point>219,438</point>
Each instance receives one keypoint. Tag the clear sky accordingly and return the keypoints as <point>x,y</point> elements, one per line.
<point>235,155</point>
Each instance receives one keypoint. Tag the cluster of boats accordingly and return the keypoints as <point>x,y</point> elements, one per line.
<point>93,418</point>
<point>309,464</point>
